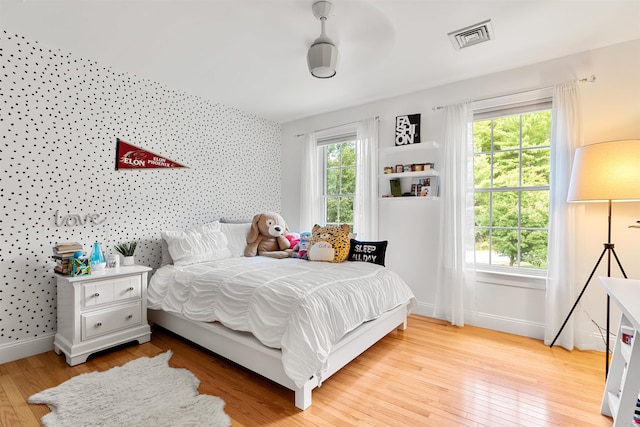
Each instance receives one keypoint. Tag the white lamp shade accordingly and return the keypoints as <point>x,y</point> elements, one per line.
<point>322,59</point>
<point>606,171</point>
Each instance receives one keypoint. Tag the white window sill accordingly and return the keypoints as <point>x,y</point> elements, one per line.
<point>535,280</point>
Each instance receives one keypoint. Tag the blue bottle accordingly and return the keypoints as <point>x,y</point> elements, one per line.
<point>98,261</point>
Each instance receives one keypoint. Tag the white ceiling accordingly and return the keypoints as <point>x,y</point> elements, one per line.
<point>251,54</point>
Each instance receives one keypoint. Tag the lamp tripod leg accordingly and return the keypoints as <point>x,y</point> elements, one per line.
<point>584,288</point>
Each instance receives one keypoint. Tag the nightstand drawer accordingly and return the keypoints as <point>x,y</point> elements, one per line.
<point>105,291</point>
<point>105,321</point>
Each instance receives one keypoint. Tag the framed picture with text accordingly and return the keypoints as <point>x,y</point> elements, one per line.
<point>408,129</point>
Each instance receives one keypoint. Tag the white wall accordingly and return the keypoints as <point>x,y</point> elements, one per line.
<point>611,110</point>
<point>60,117</point>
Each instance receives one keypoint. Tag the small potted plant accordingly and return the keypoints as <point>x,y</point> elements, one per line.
<point>127,250</point>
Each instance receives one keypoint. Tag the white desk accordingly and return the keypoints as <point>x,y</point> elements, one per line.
<point>623,382</point>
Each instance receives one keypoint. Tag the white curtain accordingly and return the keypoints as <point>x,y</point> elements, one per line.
<point>455,284</point>
<point>365,206</point>
<point>311,185</point>
<point>562,288</point>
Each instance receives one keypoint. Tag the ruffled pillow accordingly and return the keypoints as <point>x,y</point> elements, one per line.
<point>236,233</point>
<point>199,244</point>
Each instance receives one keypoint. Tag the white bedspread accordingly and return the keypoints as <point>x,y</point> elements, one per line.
<point>299,306</point>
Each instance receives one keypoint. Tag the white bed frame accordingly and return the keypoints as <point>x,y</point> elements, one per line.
<point>245,350</point>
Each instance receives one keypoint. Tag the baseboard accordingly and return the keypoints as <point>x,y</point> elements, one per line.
<point>26,347</point>
<point>511,325</point>
<point>423,309</point>
<point>493,322</point>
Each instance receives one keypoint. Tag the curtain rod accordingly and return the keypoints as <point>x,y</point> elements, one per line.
<point>590,79</point>
<point>333,127</point>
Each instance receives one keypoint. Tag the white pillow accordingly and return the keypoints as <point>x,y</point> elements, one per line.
<point>236,236</point>
<point>166,256</point>
<point>199,244</point>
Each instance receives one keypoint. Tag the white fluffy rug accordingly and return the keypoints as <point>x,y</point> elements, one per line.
<point>143,392</point>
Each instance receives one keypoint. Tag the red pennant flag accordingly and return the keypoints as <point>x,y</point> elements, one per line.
<point>131,157</point>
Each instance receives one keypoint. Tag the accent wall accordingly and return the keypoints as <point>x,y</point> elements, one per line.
<point>60,118</point>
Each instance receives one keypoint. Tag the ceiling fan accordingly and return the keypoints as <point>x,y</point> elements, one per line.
<point>322,57</point>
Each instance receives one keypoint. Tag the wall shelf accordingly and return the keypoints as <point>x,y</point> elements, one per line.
<point>421,198</point>
<point>416,174</point>
<point>421,153</point>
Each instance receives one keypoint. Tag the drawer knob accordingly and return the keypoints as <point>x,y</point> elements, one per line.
<point>97,294</point>
<point>131,288</point>
<point>130,316</point>
<point>98,324</point>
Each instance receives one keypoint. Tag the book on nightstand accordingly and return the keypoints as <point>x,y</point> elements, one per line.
<point>66,248</point>
<point>63,254</point>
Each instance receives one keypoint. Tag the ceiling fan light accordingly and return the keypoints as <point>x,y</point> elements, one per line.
<point>322,59</point>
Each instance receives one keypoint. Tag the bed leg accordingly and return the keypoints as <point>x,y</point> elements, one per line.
<point>303,396</point>
<point>403,326</point>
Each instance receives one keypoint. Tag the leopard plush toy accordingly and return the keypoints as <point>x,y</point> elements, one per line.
<point>329,243</point>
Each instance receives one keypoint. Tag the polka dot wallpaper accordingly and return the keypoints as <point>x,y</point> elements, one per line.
<point>60,116</point>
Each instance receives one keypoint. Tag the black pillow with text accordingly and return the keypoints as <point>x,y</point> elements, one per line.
<point>368,251</point>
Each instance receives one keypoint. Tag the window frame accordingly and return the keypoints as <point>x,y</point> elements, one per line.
<point>493,108</point>
<point>322,145</point>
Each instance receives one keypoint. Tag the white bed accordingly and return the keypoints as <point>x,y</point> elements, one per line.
<point>293,321</point>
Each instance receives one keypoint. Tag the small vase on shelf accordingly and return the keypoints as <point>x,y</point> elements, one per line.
<point>98,261</point>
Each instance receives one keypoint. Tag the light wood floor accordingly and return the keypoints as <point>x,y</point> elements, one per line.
<point>432,374</point>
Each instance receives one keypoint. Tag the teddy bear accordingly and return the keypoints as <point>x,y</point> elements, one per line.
<point>300,250</point>
<point>329,243</point>
<point>267,236</point>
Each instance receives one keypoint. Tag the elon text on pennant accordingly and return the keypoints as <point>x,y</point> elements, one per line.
<point>131,157</point>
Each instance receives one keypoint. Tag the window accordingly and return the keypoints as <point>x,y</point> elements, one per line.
<point>511,187</point>
<point>339,179</point>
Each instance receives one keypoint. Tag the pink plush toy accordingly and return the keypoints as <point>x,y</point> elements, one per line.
<point>293,238</point>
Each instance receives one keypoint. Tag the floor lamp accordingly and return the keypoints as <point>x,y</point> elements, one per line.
<point>604,172</point>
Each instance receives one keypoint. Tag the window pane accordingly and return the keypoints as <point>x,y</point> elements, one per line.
<point>349,153</point>
<point>506,169</point>
<point>482,245</point>
<point>333,181</point>
<point>346,210</point>
<point>482,136</point>
<point>504,247</point>
<point>505,209</point>
<point>536,129</point>
<point>333,155</point>
<point>482,170</point>
<point>348,181</point>
<point>332,209</point>
<point>535,209</point>
<point>535,167</point>
<point>481,210</point>
<point>340,175</point>
<point>533,249</point>
<point>506,133</point>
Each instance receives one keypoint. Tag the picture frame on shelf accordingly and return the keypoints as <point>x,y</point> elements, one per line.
<point>396,190</point>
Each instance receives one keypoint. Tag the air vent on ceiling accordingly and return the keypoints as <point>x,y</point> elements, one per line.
<point>473,34</point>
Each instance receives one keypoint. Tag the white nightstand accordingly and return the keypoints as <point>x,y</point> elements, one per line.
<point>101,310</point>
